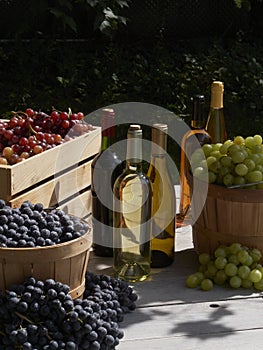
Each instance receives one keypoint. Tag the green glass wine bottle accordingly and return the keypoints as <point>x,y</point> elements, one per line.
<point>105,168</point>
<point>215,125</point>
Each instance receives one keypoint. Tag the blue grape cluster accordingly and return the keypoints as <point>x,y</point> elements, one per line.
<point>42,315</point>
<point>31,225</point>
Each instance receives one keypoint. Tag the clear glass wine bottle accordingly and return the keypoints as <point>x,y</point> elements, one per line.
<point>132,214</point>
<point>194,138</point>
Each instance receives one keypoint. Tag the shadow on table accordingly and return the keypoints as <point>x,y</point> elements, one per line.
<point>212,327</point>
<point>204,325</point>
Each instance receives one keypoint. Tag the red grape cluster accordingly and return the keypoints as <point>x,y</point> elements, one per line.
<point>30,132</point>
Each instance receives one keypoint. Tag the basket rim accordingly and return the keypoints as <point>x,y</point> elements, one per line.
<point>239,194</point>
<point>53,247</point>
<point>242,194</point>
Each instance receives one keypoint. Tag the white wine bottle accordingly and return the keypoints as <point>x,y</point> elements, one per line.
<point>194,138</point>
<point>215,125</point>
<point>132,215</point>
<point>164,202</point>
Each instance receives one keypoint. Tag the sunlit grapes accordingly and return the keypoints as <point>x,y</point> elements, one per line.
<point>234,265</point>
<point>234,162</point>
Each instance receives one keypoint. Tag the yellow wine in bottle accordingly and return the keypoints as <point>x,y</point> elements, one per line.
<point>163,202</point>
<point>132,215</point>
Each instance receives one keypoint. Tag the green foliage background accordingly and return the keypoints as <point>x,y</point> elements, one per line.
<point>63,65</point>
<point>87,76</point>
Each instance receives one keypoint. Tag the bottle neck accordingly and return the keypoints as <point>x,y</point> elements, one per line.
<point>159,140</point>
<point>217,91</point>
<point>197,124</point>
<point>108,130</point>
<point>198,115</point>
<point>106,141</point>
<point>134,151</point>
<point>216,100</point>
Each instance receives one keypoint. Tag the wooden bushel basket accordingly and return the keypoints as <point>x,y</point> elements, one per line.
<point>65,262</point>
<point>229,216</point>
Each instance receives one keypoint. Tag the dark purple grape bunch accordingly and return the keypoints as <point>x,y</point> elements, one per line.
<point>31,225</point>
<point>42,315</point>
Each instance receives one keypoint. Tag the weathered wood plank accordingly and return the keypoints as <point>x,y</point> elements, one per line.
<point>58,189</point>
<point>242,340</point>
<point>195,320</point>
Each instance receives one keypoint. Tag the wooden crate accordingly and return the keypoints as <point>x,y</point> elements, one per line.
<point>59,177</point>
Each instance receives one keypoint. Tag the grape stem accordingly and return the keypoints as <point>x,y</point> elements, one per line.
<point>32,129</point>
<point>23,317</point>
<point>18,113</point>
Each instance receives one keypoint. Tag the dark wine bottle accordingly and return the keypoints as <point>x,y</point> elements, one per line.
<point>105,168</point>
<point>197,136</point>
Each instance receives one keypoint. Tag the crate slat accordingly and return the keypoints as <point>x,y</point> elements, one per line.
<point>58,189</point>
<point>79,205</point>
<point>18,177</point>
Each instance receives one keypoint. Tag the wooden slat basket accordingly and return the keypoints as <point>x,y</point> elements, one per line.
<point>65,262</point>
<point>229,216</point>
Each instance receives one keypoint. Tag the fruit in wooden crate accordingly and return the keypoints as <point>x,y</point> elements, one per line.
<point>31,132</point>
<point>234,163</point>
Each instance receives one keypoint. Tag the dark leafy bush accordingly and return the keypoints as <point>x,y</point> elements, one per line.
<point>61,18</point>
<point>87,75</point>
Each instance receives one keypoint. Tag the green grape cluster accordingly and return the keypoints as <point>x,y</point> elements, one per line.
<point>234,265</point>
<point>234,162</point>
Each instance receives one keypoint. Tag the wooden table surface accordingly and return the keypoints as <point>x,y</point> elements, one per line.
<point>171,316</point>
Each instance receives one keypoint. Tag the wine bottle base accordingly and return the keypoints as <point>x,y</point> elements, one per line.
<point>133,272</point>
<point>102,251</point>
<point>182,221</point>
<point>160,259</point>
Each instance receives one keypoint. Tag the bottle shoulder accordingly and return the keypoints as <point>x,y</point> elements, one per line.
<point>158,168</point>
<point>106,159</point>
<point>195,131</point>
<point>215,113</point>
<point>201,135</point>
<point>131,175</point>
